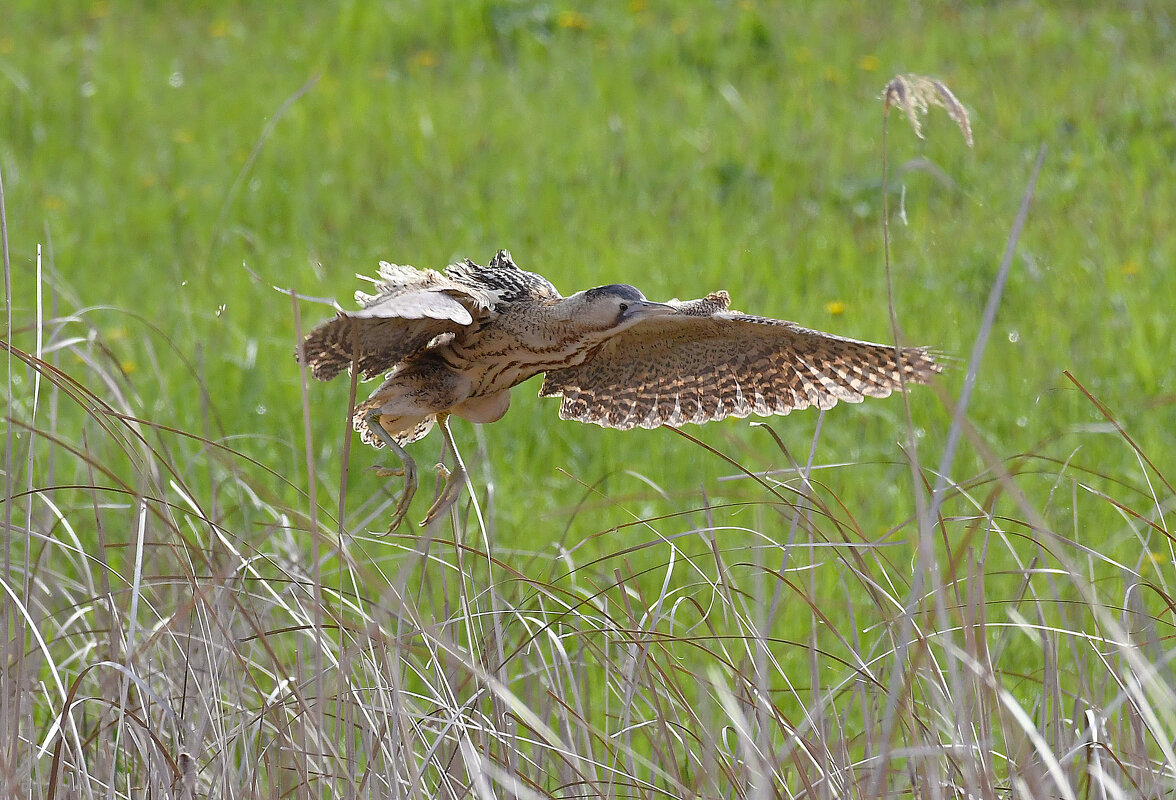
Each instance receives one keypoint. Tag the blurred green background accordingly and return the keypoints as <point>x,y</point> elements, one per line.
<point>161,154</point>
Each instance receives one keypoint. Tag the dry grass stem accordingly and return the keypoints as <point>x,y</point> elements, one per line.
<point>915,94</point>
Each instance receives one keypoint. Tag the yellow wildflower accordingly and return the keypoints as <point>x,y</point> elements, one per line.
<point>572,20</point>
<point>423,59</point>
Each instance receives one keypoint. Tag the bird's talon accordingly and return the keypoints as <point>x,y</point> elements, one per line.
<point>405,501</point>
<point>397,518</point>
<point>442,471</point>
<point>408,470</point>
<point>454,483</point>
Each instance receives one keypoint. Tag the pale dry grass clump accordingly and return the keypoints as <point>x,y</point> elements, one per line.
<point>175,633</point>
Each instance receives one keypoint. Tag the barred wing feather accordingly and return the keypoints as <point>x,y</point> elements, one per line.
<point>411,309</point>
<point>706,363</point>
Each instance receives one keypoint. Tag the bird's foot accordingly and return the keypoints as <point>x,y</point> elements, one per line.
<point>387,472</point>
<point>410,487</point>
<point>377,429</point>
<point>454,483</point>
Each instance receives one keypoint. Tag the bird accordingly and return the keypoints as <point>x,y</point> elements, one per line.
<point>456,341</point>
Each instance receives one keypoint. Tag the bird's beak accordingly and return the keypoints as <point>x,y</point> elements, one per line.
<point>647,308</point>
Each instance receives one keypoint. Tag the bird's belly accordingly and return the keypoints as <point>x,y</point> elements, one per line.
<point>484,408</point>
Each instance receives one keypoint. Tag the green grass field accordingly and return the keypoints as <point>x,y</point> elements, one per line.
<point>681,628</point>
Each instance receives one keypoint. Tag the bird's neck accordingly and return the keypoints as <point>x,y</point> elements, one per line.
<point>522,343</point>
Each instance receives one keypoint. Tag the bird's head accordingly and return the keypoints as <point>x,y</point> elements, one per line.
<point>614,308</point>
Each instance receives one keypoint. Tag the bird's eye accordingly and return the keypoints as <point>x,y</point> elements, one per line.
<point>624,307</point>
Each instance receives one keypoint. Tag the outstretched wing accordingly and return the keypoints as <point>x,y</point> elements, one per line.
<point>411,309</point>
<point>707,363</point>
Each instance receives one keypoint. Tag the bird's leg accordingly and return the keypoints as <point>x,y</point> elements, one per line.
<point>454,481</point>
<point>410,475</point>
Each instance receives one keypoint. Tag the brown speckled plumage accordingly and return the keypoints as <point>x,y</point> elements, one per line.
<point>707,363</point>
<point>409,310</point>
<point>456,342</point>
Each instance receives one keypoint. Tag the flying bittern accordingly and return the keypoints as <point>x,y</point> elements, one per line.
<point>456,342</point>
